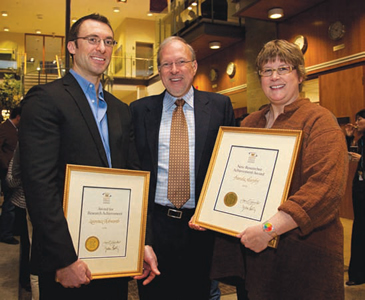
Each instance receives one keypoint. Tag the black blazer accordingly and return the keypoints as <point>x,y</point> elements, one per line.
<point>211,111</point>
<point>58,128</point>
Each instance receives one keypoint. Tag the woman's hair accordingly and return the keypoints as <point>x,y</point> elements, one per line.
<point>361,114</point>
<point>169,40</point>
<point>286,52</point>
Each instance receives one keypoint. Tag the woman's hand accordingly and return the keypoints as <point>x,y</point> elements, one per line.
<point>255,238</point>
<point>350,129</point>
<point>354,156</point>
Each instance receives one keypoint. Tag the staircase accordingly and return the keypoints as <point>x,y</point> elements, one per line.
<point>33,79</point>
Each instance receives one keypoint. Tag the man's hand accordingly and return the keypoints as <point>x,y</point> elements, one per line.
<point>194,226</point>
<point>150,269</point>
<point>74,275</point>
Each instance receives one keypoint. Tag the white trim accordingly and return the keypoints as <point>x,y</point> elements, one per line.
<point>331,63</point>
<point>233,89</point>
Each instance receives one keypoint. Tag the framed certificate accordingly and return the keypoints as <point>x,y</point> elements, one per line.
<point>248,177</point>
<point>106,211</point>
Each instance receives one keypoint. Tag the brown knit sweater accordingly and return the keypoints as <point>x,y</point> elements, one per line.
<point>308,263</point>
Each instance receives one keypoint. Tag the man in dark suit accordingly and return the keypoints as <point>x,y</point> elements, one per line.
<point>8,141</point>
<point>72,121</point>
<point>183,254</point>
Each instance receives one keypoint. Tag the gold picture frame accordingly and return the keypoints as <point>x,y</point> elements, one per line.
<point>248,178</point>
<point>106,212</point>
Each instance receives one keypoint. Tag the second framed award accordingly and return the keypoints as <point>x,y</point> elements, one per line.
<point>248,177</point>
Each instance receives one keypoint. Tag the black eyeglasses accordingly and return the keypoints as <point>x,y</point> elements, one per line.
<point>94,40</point>
<point>281,71</point>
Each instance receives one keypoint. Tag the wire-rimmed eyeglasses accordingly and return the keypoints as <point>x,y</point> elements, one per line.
<point>281,71</point>
<point>95,40</point>
<point>178,64</point>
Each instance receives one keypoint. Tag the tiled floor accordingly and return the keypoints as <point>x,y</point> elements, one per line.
<point>9,289</point>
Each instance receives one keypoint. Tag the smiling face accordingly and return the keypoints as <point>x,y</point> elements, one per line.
<point>177,80</point>
<point>281,90</point>
<point>90,61</point>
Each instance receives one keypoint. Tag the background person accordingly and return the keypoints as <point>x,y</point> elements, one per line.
<point>357,261</point>
<point>8,142</point>
<point>183,254</point>
<point>72,121</point>
<point>308,263</point>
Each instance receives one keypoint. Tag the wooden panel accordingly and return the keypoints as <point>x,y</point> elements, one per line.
<point>314,25</point>
<point>342,92</point>
<point>219,61</point>
<point>346,207</point>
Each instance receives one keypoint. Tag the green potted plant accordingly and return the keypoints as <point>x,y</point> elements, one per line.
<point>10,92</point>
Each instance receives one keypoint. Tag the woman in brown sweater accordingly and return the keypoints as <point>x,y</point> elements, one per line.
<point>308,262</point>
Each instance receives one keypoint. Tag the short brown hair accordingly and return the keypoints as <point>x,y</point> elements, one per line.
<point>286,52</point>
<point>74,31</point>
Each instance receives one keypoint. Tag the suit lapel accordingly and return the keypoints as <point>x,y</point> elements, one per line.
<point>152,122</point>
<point>115,130</point>
<point>75,91</point>
<point>202,119</point>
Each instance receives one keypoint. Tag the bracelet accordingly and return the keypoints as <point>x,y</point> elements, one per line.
<point>269,229</point>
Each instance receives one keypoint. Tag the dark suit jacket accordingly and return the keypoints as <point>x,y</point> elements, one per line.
<point>58,128</point>
<point>8,141</point>
<point>211,111</point>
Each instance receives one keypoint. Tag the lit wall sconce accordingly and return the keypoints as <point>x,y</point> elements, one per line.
<point>38,31</point>
<point>6,29</point>
<point>214,45</point>
<point>74,20</point>
<point>4,13</point>
<point>276,13</point>
<point>116,9</point>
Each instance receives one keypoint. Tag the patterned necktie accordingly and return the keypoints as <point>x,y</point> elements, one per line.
<point>178,191</point>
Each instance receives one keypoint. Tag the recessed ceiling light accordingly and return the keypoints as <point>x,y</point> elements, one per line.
<point>116,9</point>
<point>214,45</point>
<point>4,13</point>
<point>6,28</point>
<point>275,13</point>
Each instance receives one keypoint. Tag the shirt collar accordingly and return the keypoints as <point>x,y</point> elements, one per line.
<point>169,100</point>
<point>86,85</point>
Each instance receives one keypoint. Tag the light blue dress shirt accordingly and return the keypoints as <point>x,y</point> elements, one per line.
<point>164,147</point>
<point>98,107</point>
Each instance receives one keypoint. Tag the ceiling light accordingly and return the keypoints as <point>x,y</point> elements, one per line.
<point>4,13</point>
<point>194,3</point>
<point>149,14</point>
<point>214,45</point>
<point>116,9</point>
<point>190,8</point>
<point>6,28</point>
<point>38,31</point>
<point>275,13</point>
<point>123,1</point>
